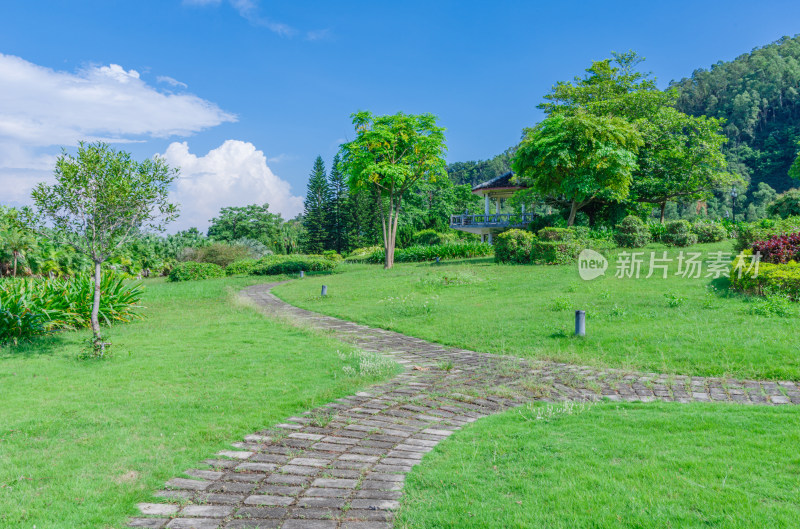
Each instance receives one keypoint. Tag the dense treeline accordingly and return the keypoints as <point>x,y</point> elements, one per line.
<point>339,218</point>
<point>758,95</point>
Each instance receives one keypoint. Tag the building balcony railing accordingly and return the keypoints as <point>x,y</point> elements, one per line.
<point>497,220</point>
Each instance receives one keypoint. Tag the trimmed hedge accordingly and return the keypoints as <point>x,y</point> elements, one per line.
<point>556,252</point>
<point>708,231</point>
<point>764,230</point>
<point>192,271</point>
<point>632,232</point>
<point>415,254</point>
<point>679,233</point>
<point>514,246</point>
<point>771,278</point>
<point>243,267</point>
<point>556,234</point>
<point>291,264</point>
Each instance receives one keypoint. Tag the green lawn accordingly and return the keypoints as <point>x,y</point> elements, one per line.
<point>673,325</point>
<point>614,466</point>
<point>81,442</point>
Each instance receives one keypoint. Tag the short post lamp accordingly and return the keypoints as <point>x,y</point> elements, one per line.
<point>302,274</point>
<point>580,323</point>
<point>734,194</point>
<point>324,290</point>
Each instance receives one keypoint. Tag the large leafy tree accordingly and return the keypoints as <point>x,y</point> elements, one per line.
<point>582,157</point>
<point>316,212</point>
<point>390,154</point>
<point>100,199</point>
<point>681,158</point>
<point>247,222</point>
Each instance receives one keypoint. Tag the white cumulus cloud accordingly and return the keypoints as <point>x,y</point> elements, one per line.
<point>42,109</point>
<point>233,174</point>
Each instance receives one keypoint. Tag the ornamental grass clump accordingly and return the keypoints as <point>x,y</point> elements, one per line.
<point>34,306</point>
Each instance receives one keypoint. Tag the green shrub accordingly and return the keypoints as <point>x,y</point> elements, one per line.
<point>555,252</point>
<point>242,267</point>
<point>362,255</point>
<point>514,246</point>
<point>191,271</point>
<point>546,221</point>
<point>786,205</point>
<point>292,264</point>
<point>413,254</point>
<point>632,233</point>
<point>748,234</point>
<point>708,231</point>
<point>332,255</point>
<point>679,233</point>
<point>33,306</point>
<point>222,254</point>
<point>432,237</point>
<point>657,230</point>
<point>771,278</point>
<point>556,234</point>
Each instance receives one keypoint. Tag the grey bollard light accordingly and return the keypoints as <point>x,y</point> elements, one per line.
<point>580,323</point>
<point>324,290</point>
<point>302,274</point>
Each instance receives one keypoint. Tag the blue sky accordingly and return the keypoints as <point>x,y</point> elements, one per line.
<point>237,78</point>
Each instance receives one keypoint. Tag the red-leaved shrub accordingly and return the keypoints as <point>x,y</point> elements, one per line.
<point>779,249</point>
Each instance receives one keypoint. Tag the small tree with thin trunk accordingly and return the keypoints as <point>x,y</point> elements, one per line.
<point>101,198</point>
<point>390,154</point>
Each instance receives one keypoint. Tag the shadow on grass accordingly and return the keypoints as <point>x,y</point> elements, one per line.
<point>43,345</point>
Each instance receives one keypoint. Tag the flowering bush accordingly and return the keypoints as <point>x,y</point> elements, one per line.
<point>779,249</point>
<point>762,230</point>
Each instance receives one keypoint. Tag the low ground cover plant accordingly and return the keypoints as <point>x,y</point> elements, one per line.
<point>34,306</point>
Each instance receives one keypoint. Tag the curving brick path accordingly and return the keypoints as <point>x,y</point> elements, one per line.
<point>342,466</point>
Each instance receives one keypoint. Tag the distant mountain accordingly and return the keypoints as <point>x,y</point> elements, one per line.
<point>759,96</point>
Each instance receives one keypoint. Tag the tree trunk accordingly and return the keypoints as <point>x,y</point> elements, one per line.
<point>663,210</point>
<point>572,212</point>
<point>15,264</point>
<point>96,305</point>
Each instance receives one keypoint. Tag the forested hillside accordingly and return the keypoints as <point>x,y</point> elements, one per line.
<point>758,94</point>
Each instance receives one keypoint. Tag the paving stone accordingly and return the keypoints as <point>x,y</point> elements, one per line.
<point>151,523</point>
<point>207,511</point>
<point>268,499</point>
<point>310,524</point>
<point>158,509</point>
<point>194,523</point>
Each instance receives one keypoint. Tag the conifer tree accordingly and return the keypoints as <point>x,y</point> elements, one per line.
<point>316,209</point>
<point>337,226</point>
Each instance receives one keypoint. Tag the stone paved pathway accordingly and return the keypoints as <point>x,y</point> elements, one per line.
<point>342,466</point>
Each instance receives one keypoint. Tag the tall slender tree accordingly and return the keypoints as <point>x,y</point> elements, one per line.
<point>338,217</point>
<point>316,209</point>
